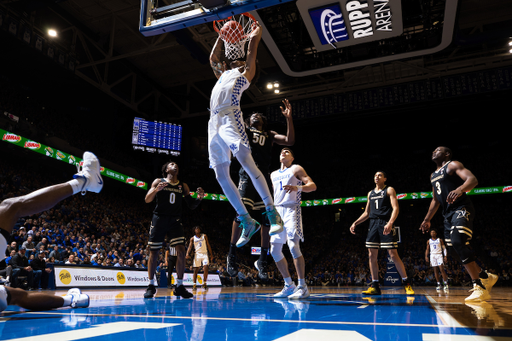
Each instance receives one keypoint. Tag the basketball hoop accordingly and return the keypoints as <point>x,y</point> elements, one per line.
<point>235,33</point>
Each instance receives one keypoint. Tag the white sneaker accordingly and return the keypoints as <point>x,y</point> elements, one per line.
<point>78,300</point>
<point>300,293</point>
<point>438,288</point>
<point>91,173</point>
<point>490,281</point>
<point>276,223</point>
<point>249,228</point>
<point>479,294</point>
<point>287,291</point>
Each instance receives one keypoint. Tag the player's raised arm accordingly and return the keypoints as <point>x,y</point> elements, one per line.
<point>289,138</point>
<point>215,61</point>
<point>252,51</point>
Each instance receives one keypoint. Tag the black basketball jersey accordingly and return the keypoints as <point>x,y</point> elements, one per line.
<point>169,201</point>
<point>380,204</point>
<point>442,184</point>
<point>261,147</point>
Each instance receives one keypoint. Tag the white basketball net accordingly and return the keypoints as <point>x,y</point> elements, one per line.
<point>236,50</point>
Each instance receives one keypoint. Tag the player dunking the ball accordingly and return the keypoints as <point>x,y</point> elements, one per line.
<point>226,133</point>
<point>382,210</point>
<point>450,182</point>
<point>88,179</point>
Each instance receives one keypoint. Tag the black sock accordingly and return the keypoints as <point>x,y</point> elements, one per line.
<point>263,255</point>
<point>483,274</point>
<point>232,249</point>
<point>478,282</point>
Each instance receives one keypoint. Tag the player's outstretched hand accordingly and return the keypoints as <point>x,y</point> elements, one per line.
<point>425,227</point>
<point>287,110</point>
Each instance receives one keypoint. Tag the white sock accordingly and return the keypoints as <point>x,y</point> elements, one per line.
<point>302,282</point>
<point>179,282</point>
<point>152,281</point>
<point>67,300</point>
<point>288,281</point>
<point>76,184</point>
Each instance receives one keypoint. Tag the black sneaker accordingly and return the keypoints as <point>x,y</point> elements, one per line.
<point>150,291</point>
<point>182,292</point>
<point>232,266</point>
<point>261,266</point>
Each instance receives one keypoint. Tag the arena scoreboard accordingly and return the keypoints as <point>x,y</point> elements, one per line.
<point>156,137</point>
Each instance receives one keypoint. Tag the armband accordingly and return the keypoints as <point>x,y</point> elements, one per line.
<point>445,253</point>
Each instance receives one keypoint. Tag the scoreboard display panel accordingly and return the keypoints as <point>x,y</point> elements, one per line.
<point>156,137</point>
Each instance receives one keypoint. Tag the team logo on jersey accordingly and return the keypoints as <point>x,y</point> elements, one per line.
<point>463,214</point>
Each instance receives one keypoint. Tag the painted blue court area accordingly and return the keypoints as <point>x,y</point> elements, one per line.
<point>217,314</point>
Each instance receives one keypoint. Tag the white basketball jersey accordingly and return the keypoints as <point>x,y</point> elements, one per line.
<point>280,178</point>
<point>200,244</point>
<point>435,247</point>
<point>228,90</point>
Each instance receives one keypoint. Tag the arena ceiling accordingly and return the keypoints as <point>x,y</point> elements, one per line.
<point>167,76</point>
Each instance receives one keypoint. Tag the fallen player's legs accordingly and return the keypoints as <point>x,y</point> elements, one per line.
<point>41,200</point>
<point>41,301</point>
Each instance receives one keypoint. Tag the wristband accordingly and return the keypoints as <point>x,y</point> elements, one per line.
<point>299,188</point>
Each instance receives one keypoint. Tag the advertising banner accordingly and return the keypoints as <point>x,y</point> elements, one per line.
<point>82,277</point>
<point>53,153</point>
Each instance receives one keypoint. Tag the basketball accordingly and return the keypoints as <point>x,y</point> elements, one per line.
<point>231,32</point>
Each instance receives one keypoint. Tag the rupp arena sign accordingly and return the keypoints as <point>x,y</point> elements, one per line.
<point>350,22</point>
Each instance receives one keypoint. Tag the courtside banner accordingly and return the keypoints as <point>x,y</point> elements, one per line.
<point>50,152</point>
<point>212,281</point>
<point>68,277</point>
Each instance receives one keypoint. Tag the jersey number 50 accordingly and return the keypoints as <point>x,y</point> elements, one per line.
<point>260,139</point>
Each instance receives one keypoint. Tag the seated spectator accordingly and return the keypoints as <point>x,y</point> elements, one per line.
<point>20,266</point>
<point>41,271</point>
<point>71,259</point>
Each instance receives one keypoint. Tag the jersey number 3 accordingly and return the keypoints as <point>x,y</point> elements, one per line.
<point>438,188</point>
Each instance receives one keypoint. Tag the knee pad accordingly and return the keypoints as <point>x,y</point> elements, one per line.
<point>460,242</point>
<point>276,250</point>
<point>293,245</point>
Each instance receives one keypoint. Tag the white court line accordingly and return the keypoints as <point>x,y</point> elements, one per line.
<point>244,319</point>
<point>445,317</point>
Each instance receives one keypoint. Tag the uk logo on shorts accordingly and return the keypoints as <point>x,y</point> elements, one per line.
<point>329,24</point>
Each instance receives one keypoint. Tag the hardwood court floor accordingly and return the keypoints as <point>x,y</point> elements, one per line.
<point>243,313</point>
